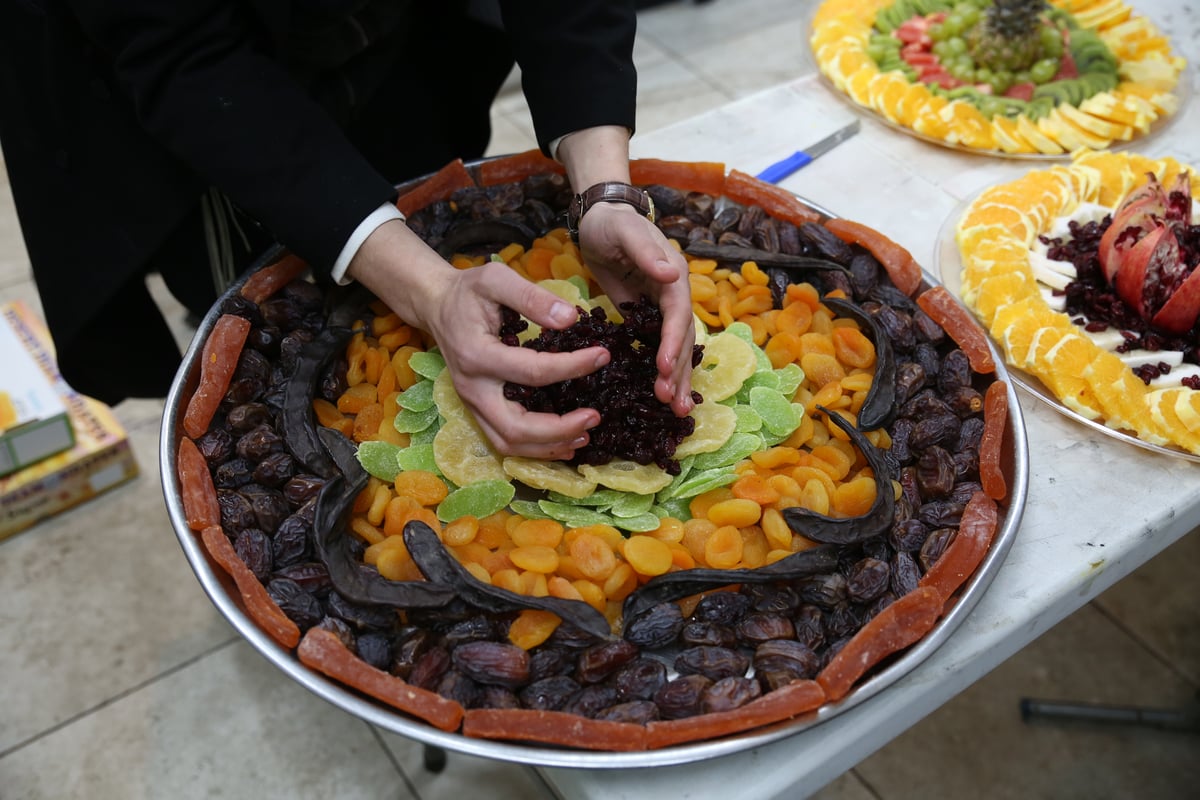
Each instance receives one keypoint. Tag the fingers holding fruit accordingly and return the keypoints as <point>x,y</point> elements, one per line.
<point>630,257</point>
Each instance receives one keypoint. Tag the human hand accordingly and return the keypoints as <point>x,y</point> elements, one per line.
<point>461,309</point>
<point>630,257</point>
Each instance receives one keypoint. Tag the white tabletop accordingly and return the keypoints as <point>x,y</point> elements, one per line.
<point>1097,507</point>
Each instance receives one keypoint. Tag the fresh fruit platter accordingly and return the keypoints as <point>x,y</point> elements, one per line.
<point>1018,78</point>
<point>843,493</point>
<point>1085,275</point>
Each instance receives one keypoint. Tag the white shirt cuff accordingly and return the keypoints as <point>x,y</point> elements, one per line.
<point>385,213</point>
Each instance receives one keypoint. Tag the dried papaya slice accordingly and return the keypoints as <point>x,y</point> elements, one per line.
<point>746,189</point>
<point>259,605</point>
<point>323,651</point>
<point>196,488</point>
<point>901,267</point>
<point>517,167</point>
<point>688,176</point>
<point>896,627</point>
<point>438,186</point>
<point>783,703</point>
<point>995,418</point>
<point>218,360</point>
<point>943,309</point>
<point>966,550</point>
<point>553,727</point>
<point>273,277</point>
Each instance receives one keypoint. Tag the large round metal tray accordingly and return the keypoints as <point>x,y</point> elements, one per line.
<point>221,590</point>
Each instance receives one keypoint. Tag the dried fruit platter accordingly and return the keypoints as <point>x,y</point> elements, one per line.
<point>1080,273</point>
<point>1040,80</point>
<point>793,566</point>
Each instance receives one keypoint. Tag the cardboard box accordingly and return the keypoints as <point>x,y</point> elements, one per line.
<point>33,416</point>
<point>99,459</point>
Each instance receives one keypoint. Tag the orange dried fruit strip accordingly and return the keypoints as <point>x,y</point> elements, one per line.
<point>270,279</point>
<point>896,627</point>
<point>689,176</point>
<point>783,703</point>
<point>196,488</point>
<point>259,605</point>
<point>438,186</point>
<point>553,727</point>
<point>966,550</point>
<point>517,167</point>
<point>901,267</point>
<point>323,651</point>
<point>995,419</point>
<point>218,360</point>
<point>741,187</point>
<point>958,323</point>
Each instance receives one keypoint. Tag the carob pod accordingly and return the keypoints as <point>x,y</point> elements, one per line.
<point>674,585</point>
<point>850,530</point>
<point>495,233</point>
<point>764,258</point>
<point>348,575</point>
<point>880,406</point>
<point>299,430</point>
<point>440,567</point>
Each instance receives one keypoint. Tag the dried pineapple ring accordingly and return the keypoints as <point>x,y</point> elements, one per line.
<point>715,423</point>
<point>627,476</point>
<point>728,361</point>
<point>448,403</point>
<point>463,454</point>
<point>553,476</point>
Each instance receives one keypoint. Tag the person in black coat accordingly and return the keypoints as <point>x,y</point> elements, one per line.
<point>145,136</point>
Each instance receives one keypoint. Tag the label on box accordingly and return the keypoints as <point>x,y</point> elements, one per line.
<point>33,416</point>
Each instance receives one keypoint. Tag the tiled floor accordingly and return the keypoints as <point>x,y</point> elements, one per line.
<point>120,680</point>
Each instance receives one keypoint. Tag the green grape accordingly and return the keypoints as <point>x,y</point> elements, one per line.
<point>960,72</point>
<point>1044,70</point>
<point>953,24</point>
<point>938,33</point>
<point>941,49</point>
<point>1001,80</point>
<point>1021,76</point>
<point>984,75</point>
<point>970,15</point>
<point>956,46</point>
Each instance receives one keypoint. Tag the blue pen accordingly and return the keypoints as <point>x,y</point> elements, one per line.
<point>781,169</point>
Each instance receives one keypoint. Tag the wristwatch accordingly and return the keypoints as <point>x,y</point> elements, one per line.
<point>608,192</point>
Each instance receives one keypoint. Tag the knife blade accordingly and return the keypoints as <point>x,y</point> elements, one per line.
<point>781,169</point>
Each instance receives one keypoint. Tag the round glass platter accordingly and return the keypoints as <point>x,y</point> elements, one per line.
<point>224,595</point>
<point>1182,91</point>
<point>948,265</point>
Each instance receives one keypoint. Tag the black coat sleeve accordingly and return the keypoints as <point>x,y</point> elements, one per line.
<point>576,60</point>
<point>204,82</point>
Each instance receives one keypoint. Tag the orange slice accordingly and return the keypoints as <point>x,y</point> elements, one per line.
<point>1008,137</point>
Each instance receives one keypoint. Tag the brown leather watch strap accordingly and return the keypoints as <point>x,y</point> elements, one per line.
<point>608,192</point>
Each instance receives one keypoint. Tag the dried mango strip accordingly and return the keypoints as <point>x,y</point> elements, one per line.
<point>218,361</point>
<point>259,605</point>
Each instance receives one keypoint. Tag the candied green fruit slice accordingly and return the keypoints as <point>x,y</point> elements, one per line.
<point>417,457</point>
<point>427,364</point>
<point>479,499</point>
<point>418,397</point>
<point>379,459</point>
<point>778,413</point>
<point>412,421</point>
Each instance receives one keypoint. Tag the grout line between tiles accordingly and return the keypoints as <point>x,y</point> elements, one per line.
<point>387,752</point>
<point>119,696</point>
<point>865,784</point>
<point>1146,645</point>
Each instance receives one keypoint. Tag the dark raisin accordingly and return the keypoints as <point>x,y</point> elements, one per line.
<point>785,657</point>
<point>810,627</point>
<point>409,651</point>
<point>640,678</point>
<point>270,509</point>
<point>312,575</point>
<point>936,471</point>
<point>461,688</point>
<point>302,488</point>
<point>724,608</point>
<point>773,598</point>
<point>638,712</point>
<point>275,470</point>
<point>707,633</point>
<point>867,579</point>
<point>547,661</point>
<point>934,546</point>
<point>754,629</point>
<point>824,591</point>
<point>497,697</point>
<point>908,535</point>
<point>216,445</point>
<point>248,416</point>
<point>254,548</point>
<point>290,541</point>
<point>237,514</point>
<point>299,606</point>
<point>591,700</point>
<point>376,650</point>
<point>233,474</point>
<point>429,668</point>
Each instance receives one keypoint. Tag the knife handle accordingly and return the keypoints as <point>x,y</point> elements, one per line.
<point>781,169</point>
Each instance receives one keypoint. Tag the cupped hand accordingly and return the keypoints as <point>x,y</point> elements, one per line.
<point>630,257</point>
<point>466,330</point>
<point>461,309</point>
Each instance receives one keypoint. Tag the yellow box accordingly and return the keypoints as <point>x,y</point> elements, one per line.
<point>99,459</point>
<point>33,417</point>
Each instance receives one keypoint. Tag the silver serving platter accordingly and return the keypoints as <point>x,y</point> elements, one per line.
<point>221,590</point>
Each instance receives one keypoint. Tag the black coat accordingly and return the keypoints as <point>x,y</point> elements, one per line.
<point>115,117</point>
